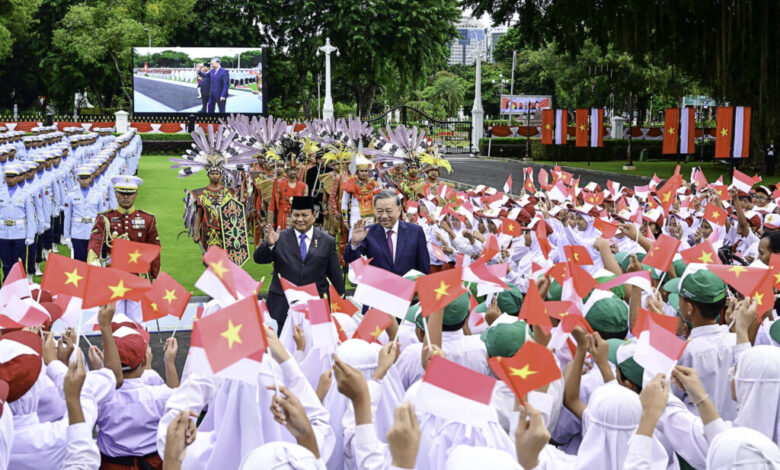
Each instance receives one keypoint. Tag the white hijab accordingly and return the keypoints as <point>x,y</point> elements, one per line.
<point>757,383</point>
<point>608,423</point>
<point>281,456</point>
<point>468,458</point>
<point>743,449</point>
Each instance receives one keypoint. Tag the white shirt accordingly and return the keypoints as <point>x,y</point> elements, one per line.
<point>307,240</point>
<point>82,452</point>
<point>393,237</point>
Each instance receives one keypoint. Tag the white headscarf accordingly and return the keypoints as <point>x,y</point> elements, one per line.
<point>281,456</point>
<point>467,458</point>
<point>757,383</point>
<point>608,423</point>
<point>742,449</point>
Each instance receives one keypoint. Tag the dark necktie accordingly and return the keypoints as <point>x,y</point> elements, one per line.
<point>390,244</point>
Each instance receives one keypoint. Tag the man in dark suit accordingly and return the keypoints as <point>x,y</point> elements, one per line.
<point>205,87</point>
<point>220,84</point>
<point>394,245</point>
<point>302,254</point>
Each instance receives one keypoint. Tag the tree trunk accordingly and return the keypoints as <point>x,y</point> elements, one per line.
<point>98,97</point>
<point>121,80</point>
<point>304,99</point>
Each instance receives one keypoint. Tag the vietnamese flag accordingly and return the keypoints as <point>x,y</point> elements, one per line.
<point>218,262</point>
<point>548,123</point>
<point>722,190</point>
<point>702,253</point>
<point>529,186</point>
<point>531,368</point>
<point>607,229</point>
<point>723,131</point>
<point>668,191</point>
<point>742,278</point>
<point>106,285</point>
<point>577,254</point>
<point>133,257</point>
<point>372,325</point>
<point>438,290</point>
<point>774,266</point>
<point>167,297</point>
<point>671,130</point>
<point>764,295</point>
<point>339,304</point>
<point>569,315</point>
<point>233,333</point>
<point>65,276</point>
<point>541,237</point>
<point>511,227</point>
<point>490,248</point>
<point>581,117</point>
<point>662,253</point>
<point>533,310</point>
<point>715,215</point>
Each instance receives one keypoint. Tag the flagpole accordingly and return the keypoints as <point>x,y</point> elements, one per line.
<point>660,282</point>
<point>398,331</point>
<point>273,371</point>
<point>176,327</point>
<point>427,334</point>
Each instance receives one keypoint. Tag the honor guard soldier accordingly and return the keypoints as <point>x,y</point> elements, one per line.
<point>128,223</point>
<point>17,228</point>
<point>82,206</point>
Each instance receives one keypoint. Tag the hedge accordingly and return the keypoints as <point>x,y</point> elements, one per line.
<point>514,147</point>
<point>158,137</point>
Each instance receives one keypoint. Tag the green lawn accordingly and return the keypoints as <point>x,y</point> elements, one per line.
<point>162,194</point>
<point>665,169</point>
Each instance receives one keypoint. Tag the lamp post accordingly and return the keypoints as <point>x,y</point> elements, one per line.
<point>501,82</point>
<point>477,113</point>
<point>327,49</point>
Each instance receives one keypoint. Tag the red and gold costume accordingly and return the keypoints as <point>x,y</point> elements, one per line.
<point>129,224</point>
<point>209,201</point>
<point>282,199</point>
<point>359,195</point>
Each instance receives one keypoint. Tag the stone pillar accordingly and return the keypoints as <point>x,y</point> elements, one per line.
<point>616,132</point>
<point>477,113</point>
<point>122,124</point>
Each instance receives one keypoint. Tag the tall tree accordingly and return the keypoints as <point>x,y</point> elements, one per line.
<point>17,21</point>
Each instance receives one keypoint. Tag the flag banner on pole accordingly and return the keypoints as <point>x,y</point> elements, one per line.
<point>561,124</point>
<point>548,123</point>
<point>744,182</point>
<point>671,121</point>
<point>723,132</point>
<point>687,130</point>
<point>581,118</point>
<point>597,127</point>
<point>741,131</point>
<point>385,291</point>
<point>532,367</point>
<point>133,257</point>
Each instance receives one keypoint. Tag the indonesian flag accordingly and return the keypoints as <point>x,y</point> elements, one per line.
<point>14,285</point>
<point>644,317</point>
<point>295,294</point>
<point>133,257</point>
<point>166,297</point>
<point>662,253</point>
<point>323,331</point>
<point>531,368</point>
<point>543,177</point>
<point>742,132</point>
<point>455,393</point>
<point>339,304</point>
<point>445,191</point>
<point>687,131</point>
<point>559,192</point>
<point>508,185</point>
<point>702,253</point>
<point>640,279</point>
<point>356,269</point>
<point>742,278</point>
<point>561,124</point>
<point>72,311</point>
<point>548,122</point>
<point>21,313</point>
<point>487,276</point>
<point>233,277</point>
<point>65,275</point>
<point>671,121</point>
<point>581,117</point>
<point>744,182</point>
<point>106,285</point>
<point>597,127</point>
<point>658,350</point>
<point>698,177</point>
<point>372,325</point>
<point>723,132</point>
<point>385,291</point>
<point>438,290</point>
<point>233,333</point>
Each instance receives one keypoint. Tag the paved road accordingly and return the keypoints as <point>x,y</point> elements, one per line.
<point>494,172</point>
<point>174,96</point>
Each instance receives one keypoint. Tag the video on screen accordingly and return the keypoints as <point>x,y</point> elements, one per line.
<point>197,80</point>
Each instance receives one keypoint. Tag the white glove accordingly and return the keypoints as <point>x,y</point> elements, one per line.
<point>28,242</point>
<point>69,243</point>
<point>46,226</point>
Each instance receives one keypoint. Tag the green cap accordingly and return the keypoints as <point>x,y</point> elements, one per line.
<point>504,339</point>
<point>774,331</point>
<point>614,344</point>
<point>608,315</point>
<point>627,260</point>
<point>472,287</point>
<point>679,267</point>
<point>620,256</point>
<point>619,291</point>
<point>411,275</point>
<point>629,369</point>
<point>510,300</point>
<point>457,310</point>
<point>699,285</point>
<point>411,313</point>
<point>555,292</point>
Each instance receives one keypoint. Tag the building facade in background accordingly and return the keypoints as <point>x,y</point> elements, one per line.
<point>474,39</point>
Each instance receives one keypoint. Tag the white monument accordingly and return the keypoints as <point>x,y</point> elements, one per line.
<point>477,113</point>
<point>122,124</point>
<point>327,49</point>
